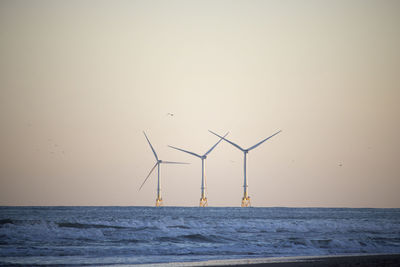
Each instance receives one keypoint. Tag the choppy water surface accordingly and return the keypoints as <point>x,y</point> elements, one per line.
<point>132,235</point>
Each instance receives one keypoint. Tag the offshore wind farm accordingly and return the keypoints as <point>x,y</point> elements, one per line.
<point>203,199</point>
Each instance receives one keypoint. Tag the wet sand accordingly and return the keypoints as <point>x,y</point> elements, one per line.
<point>342,261</point>
<point>386,260</point>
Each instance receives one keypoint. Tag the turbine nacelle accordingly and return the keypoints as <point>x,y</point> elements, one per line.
<point>241,148</point>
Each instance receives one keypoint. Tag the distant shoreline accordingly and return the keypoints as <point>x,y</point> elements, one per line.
<point>368,260</point>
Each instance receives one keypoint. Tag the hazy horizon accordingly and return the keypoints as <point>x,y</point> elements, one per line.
<point>81,80</point>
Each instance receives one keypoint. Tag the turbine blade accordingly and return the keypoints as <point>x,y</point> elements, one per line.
<point>152,169</point>
<point>215,145</point>
<point>174,162</point>
<point>230,142</point>
<point>191,153</point>
<point>155,154</point>
<point>256,145</point>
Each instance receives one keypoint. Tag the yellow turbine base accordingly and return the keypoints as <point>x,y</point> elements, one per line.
<point>203,202</point>
<point>159,202</point>
<point>246,202</point>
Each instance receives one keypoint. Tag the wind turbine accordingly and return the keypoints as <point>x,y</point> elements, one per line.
<point>158,163</point>
<point>203,199</point>
<point>246,198</point>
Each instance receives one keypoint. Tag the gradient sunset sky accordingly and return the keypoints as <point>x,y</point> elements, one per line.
<point>81,80</point>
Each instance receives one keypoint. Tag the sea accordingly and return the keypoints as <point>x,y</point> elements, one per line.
<point>74,236</point>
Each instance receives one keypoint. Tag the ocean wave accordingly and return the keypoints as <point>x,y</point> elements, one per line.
<point>87,225</point>
<point>179,226</point>
<point>156,235</point>
<point>191,238</point>
<point>5,221</point>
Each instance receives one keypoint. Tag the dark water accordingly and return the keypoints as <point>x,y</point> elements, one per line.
<point>133,235</point>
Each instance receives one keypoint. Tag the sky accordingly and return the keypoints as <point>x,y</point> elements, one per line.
<point>81,80</point>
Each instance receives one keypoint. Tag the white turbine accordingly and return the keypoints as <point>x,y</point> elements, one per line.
<point>158,163</point>
<point>246,198</point>
<point>203,199</point>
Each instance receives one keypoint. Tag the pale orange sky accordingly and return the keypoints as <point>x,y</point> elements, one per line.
<point>80,80</point>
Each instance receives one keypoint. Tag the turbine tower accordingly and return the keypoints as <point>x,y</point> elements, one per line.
<point>203,199</point>
<point>158,163</point>
<point>246,198</point>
